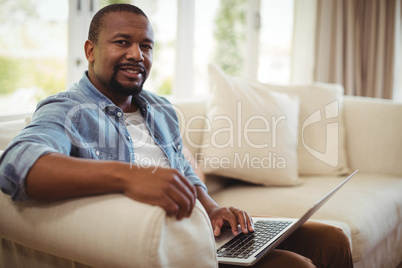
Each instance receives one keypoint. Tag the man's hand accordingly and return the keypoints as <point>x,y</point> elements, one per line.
<point>163,187</point>
<point>226,216</point>
<point>230,216</point>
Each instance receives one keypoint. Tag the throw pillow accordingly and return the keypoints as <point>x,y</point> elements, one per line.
<point>251,133</point>
<point>321,144</point>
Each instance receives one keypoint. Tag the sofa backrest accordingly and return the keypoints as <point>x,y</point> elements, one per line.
<point>373,135</point>
<point>373,132</point>
<point>192,118</point>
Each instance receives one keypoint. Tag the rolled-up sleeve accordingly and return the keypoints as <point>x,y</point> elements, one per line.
<point>46,134</point>
<point>16,162</point>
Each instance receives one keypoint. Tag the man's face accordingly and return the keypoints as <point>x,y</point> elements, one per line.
<point>121,60</point>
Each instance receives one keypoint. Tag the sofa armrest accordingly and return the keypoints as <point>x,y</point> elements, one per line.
<point>110,231</point>
<point>373,135</point>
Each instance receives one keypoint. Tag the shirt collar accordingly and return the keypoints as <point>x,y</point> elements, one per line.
<point>89,90</point>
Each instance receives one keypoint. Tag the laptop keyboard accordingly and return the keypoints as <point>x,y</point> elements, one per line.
<point>245,245</point>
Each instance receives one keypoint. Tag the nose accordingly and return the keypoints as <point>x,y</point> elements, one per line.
<point>135,53</point>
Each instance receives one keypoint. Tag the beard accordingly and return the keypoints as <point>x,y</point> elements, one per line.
<point>131,90</point>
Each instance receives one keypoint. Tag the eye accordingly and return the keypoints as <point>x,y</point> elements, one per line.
<point>121,42</point>
<point>147,47</point>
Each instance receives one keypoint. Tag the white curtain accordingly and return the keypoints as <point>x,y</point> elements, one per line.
<point>303,42</point>
<point>356,41</point>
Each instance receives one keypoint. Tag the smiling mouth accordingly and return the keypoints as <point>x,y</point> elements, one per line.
<point>133,73</point>
<point>130,70</point>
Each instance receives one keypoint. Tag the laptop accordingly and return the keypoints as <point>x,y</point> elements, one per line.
<point>247,249</point>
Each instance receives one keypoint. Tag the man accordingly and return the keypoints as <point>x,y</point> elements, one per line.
<point>85,141</point>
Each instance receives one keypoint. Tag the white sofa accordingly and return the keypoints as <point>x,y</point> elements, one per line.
<point>114,231</point>
<point>368,208</point>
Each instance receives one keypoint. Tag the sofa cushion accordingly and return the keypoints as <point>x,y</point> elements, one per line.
<point>370,204</point>
<point>321,144</point>
<point>251,133</point>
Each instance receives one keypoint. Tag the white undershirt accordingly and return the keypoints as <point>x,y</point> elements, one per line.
<point>146,151</point>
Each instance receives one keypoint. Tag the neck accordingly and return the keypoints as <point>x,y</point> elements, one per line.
<point>126,103</point>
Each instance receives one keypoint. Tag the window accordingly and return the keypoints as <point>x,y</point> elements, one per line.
<point>212,31</point>
<point>275,41</point>
<point>163,16</point>
<point>33,41</point>
<point>42,44</point>
<point>219,38</point>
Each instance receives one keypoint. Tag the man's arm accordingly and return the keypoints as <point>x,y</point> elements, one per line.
<point>56,176</point>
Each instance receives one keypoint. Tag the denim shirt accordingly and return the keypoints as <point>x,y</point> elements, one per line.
<point>84,123</point>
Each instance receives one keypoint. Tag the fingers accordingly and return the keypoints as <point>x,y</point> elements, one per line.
<point>240,218</point>
<point>178,195</point>
<point>217,230</point>
<point>250,223</point>
<point>234,217</point>
<point>217,226</point>
<point>245,221</point>
<point>184,196</point>
<point>163,187</point>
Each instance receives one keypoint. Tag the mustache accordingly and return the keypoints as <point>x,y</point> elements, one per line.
<point>121,65</point>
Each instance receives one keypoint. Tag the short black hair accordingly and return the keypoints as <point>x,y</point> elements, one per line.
<point>97,21</point>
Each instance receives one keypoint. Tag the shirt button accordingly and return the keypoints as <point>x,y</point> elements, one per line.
<point>119,114</point>
<point>179,147</point>
<point>97,153</point>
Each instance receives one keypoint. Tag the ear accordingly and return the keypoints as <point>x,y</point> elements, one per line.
<point>89,51</point>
